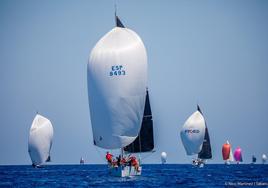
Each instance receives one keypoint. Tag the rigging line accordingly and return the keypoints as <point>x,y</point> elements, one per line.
<point>115,9</point>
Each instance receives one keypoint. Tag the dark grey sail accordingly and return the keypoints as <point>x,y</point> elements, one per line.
<point>254,159</point>
<point>205,153</point>
<point>118,22</point>
<point>145,141</point>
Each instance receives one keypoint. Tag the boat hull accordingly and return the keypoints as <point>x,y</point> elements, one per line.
<point>124,171</point>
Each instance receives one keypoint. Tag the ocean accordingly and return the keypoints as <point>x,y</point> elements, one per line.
<point>170,175</point>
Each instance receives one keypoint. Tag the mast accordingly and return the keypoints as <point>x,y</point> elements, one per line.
<point>118,22</point>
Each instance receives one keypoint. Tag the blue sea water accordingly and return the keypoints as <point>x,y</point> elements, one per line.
<point>170,175</point>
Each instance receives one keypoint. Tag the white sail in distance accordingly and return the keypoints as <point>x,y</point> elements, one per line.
<point>193,133</point>
<point>117,80</point>
<point>264,158</point>
<point>40,140</point>
<point>163,157</point>
<point>231,156</point>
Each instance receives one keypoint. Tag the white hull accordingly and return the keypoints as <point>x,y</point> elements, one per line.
<point>125,171</point>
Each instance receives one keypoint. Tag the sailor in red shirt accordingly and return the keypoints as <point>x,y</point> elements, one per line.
<point>109,157</point>
<point>135,163</point>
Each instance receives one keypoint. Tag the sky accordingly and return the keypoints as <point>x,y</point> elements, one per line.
<point>214,53</point>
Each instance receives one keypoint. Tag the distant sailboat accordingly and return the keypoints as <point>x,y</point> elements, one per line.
<point>238,155</point>
<point>82,161</point>
<point>264,158</point>
<point>117,79</point>
<point>40,140</point>
<point>227,153</point>
<point>254,159</point>
<point>163,157</point>
<point>195,137</point>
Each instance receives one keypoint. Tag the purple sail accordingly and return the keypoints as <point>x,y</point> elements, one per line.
<point>238,155</point>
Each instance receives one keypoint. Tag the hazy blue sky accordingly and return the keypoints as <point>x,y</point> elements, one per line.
<point>211,52</point>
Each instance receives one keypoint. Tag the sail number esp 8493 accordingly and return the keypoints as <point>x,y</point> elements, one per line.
<point>117,70</point>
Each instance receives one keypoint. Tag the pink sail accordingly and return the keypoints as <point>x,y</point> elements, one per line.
<point>238,155</point>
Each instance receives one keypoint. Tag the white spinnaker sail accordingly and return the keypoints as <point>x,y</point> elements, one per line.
<point>117,79</point>
<point>40,140</point>
<point>193,133</point>
<point>264,158</point>
<point>163,157</point>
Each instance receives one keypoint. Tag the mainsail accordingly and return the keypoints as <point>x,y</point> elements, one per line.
<point>40,140</point>
<point>193,133</point>
<point>254,159</point>
<point>205,152</point>
<point>117,79</point>
<point>145,141</point>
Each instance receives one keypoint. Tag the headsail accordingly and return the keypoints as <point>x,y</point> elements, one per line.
<point>145,141</point>
<point>117,79</point>
<point>193,133</point>
<point>226,150</point>
<point>238,155</point>
<point>40,140</point>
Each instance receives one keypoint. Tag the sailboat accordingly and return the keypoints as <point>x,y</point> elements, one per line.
<point>145,140</point>
<point>254,159</point>
<point>82,160</point>
<point>238,155</point>
<point>264,158</point>
<point>163,157</point>
<point>227,153</point>
<point>117,80</point>
<point>40,140</point>
<point>195,138</point>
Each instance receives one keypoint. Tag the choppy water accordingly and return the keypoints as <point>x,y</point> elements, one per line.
<point>152,176</point>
